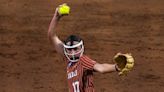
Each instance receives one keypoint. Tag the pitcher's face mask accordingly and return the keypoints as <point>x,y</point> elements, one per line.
<point>74,52</point>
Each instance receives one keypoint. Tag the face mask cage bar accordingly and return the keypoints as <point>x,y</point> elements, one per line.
<point>73,58</point>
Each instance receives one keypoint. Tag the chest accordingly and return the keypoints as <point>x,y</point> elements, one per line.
<point>74,71</point>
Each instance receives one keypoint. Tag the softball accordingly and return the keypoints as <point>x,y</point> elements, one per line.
<point>64,9</point>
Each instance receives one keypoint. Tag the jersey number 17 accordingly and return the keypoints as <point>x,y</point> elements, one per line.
<point>76,86</point>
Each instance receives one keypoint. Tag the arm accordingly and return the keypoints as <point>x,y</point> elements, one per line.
<point>52,33</point>
<point>105,68</point>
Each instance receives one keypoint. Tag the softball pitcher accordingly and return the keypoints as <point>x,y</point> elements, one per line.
<point>80,67</point>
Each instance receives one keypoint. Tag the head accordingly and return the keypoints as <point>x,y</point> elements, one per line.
<point>73,48</point>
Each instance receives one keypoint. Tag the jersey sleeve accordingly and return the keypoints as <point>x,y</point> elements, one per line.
<point>87,63</point>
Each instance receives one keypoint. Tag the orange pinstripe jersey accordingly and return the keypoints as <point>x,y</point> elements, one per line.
<point>80,75</point>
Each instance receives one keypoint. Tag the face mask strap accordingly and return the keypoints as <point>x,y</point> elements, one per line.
<point>82,48</point>
<point>74,46</point>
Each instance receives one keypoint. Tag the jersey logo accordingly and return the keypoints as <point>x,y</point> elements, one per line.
<point>72,74</point>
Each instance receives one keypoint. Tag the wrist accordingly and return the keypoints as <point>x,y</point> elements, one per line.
<point>57,15</point>
<point>116,68</point>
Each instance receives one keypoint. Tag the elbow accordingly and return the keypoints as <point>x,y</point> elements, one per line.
<point>99,69</point>
<point>49,32</point>
<point>49,36</point>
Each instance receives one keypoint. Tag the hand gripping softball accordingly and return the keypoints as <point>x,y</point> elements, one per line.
<point>63,9</point>
<point>124,63</point>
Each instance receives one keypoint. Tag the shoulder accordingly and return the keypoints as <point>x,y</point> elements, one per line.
<point>87,63</point>
<point>86,58</point>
